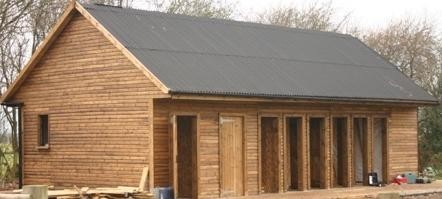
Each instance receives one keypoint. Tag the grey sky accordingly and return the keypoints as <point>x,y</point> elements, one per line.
<point>364,13</point>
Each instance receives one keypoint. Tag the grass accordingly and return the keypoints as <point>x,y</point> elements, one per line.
<point>8,164</point>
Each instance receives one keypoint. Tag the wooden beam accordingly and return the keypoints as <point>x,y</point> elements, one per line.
<point>303,163</point>
<point>327,152</point>
<point>297,100</point>
<point>349,152</point>
<point>122,48</point>
<point>280,154</point>
<point>151,145</point>
<point>143,180</point>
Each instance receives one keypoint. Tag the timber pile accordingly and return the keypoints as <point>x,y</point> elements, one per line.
<point>121,192</point>
<point>86,193</point>
<point>97,193</point>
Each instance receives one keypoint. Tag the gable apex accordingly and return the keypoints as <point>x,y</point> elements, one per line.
<point>70,11</point>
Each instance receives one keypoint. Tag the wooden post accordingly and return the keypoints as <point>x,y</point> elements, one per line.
<point>36,191</point>
<point>368,150</point>
<point>143,180</point>
<point>349,153</point>
<point>303,156</point>
<point>327,152</point>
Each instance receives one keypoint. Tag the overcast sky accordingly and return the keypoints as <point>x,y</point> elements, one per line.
<point>364,13</point>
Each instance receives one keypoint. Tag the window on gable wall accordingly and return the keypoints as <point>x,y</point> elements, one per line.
<point>43,134</point>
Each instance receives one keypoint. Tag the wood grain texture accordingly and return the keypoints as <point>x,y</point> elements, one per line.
<point>98,105</point>
<point>209,138</point>
<point>117,44</point>
<point>41,50</point>
<point>232,156</point>
<point>402,143</point>
<point>101,108</point>
<point>269,154</point>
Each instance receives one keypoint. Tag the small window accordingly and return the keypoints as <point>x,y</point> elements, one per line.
<point>43,136</point>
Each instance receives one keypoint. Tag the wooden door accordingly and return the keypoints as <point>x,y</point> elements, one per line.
<point>232,156</point>
<point>270,152</point>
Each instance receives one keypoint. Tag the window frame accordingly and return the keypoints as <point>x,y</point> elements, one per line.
<point>39,132</point>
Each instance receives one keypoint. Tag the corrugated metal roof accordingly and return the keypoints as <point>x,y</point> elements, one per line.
<point>213,56</point>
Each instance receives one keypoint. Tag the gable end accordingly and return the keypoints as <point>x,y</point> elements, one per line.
<point>58,28</point>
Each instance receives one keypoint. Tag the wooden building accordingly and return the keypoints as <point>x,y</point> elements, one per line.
<point>215,108</point>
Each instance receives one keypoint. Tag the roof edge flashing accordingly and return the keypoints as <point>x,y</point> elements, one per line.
<point>319,98</point>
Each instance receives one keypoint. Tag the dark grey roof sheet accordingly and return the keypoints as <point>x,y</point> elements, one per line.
<point>213,56</point>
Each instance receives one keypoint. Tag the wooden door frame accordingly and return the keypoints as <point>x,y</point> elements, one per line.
<point>244,147</point>
<point>301,175</point>
<point>173,149</point>
<point>349,147</point>
<point>326,117</point>
<point>279,117</point>
<point>366,161</point>
<point>385,164</point>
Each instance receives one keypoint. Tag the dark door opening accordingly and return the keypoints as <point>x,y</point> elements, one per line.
<point>339,152</point>
<point>186,131</point>
<point>317,155</point>
<point>293,134</point>
<point>269,155</point>
<point>360,150</point>
<point>380,148</point>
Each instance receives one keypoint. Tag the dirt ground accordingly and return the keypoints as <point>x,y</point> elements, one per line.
<point>358,192</point>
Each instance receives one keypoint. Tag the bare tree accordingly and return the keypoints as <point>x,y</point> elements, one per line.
<point>11,16</point>
<point>314,17</point>
<point>412,45</point>
<point>415,47</point>
<point>120,3</point>
<point>13,46</point>
<point>41,20</point>
<point>202,8</point>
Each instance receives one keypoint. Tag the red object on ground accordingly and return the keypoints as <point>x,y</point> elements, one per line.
<point>400,179</point>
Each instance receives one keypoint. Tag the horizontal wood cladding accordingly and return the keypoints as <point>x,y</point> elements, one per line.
<point>102,117</point>
<point>403,121</point>
<point>100,111</point>
<point>402,145</point>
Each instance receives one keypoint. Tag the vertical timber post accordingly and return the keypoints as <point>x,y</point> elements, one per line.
<point>151,145</point>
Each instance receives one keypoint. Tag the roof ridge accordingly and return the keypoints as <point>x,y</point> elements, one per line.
<point>252,24</point>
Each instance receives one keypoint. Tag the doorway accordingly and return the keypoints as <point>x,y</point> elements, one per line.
<point>380,148</point>
<point>340,152</point>
<point>293,135</point>
<point>269,154</point>
<point>317,152</point>
<point>360,131</point>
<point>232,156</point>
<point>185,156</point>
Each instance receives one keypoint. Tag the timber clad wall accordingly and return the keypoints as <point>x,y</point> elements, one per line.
<point>100,109</point>
<point>403,141</point>
<point>402,123</point>
<point>98,105</point>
